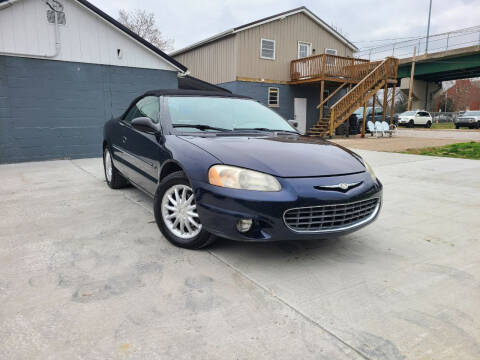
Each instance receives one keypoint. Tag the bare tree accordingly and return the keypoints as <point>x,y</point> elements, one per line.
<point>143,24</point>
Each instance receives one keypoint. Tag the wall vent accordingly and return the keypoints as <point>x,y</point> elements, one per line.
<point>60,17</point>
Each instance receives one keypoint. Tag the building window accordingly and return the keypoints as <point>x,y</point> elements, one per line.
<point>273,97</point>
<point>330,60</point>
<point>267,49</point>
<point>304,49</point>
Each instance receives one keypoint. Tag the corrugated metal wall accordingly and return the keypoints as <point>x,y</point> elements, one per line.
<point>85,37</point>
<point>214,62</point>
<point>286,33</point>
<point>239,55</point>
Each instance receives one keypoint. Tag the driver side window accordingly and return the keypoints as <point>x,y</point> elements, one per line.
<point>149,106</point>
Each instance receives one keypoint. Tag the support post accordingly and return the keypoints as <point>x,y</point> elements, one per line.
<point>331,124</point>
<point>373,107</point>
<point>385,96</point>
<point>392,107</point>
<point>364,118</point>
<point>412,72</point>
<point>322,88</point>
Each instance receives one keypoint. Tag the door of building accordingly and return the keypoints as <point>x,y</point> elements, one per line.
<point>300,113</point>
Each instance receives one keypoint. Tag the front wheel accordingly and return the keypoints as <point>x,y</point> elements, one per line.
<point>176,213</point>
<point>411,124</point>
<point>114,179</point>
<point>428,124</point>
<point>457,127</point>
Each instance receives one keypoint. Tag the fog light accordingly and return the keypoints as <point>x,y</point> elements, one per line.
<point>243,225</point>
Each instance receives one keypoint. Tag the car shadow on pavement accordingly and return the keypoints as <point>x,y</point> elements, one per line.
<point>337,247</point>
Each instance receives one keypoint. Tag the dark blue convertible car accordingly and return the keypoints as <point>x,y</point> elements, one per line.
<point>222,165</point>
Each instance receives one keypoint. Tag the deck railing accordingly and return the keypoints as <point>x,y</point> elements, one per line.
<point>327,66</point>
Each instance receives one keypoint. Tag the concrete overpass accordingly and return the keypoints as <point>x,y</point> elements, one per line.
<point>432,69</point>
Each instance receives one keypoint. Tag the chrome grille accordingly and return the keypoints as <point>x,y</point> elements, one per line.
<point>330,217</point>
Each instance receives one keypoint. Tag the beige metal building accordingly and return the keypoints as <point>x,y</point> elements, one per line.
<point>271,60</point>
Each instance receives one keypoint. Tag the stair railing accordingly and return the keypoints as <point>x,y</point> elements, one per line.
<point>353,99</point>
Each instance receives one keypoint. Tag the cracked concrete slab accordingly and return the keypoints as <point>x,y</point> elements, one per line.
<point>85,274</point>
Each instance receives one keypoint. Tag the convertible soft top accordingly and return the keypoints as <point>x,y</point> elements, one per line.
<point>182,92</point>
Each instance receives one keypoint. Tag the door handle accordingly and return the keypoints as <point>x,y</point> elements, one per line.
<point>124,139</point>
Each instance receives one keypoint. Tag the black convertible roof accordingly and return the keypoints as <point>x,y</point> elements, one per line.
<point>182,92</point>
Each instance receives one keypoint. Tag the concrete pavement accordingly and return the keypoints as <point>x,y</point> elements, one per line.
<point>85,274</point>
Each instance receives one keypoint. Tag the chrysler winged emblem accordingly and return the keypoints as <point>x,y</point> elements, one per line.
<point>338,187</point>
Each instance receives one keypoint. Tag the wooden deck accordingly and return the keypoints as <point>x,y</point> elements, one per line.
<point>332,68</point>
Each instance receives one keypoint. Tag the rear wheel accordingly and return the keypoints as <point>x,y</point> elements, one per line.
<point>114,179</point>
<point>176,213</point>
<point>457,127</point>
<point>428,124</point>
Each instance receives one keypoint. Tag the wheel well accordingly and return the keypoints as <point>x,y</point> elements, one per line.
<point>169,168</point>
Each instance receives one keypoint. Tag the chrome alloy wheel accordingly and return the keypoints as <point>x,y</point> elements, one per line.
<point>179,212</point>
<point>108,165</point>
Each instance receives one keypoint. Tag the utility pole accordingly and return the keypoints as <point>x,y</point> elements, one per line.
<point>428,26</point>
<point>412,72</point>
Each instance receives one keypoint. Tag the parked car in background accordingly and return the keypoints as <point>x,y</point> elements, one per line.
<point>470,119</point>
<point>223,165</point>
<point>414,118</point>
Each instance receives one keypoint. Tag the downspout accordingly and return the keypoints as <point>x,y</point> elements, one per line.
<point>57,36</point>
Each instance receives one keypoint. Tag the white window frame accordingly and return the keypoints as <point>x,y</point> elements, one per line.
<point>303,43</point>
<point>274,49</point>
<point>327,49</point>
<point>278,97</point>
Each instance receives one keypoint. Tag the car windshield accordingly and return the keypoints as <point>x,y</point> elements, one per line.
<point>407,113</point>
<point>471,113</point>
<point>218,114</point>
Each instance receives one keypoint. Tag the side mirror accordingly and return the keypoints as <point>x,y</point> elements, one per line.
<point>294,123</point>
<point>145,124</point>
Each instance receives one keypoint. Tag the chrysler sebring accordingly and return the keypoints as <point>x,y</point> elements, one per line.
<point>222,165</point>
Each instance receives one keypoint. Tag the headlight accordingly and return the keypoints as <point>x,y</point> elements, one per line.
<point>239,178</point>
<point>370,170</point>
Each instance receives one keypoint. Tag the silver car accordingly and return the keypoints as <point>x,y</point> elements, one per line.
<point>470,119</point>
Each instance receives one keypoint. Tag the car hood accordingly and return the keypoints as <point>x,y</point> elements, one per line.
<point>284,156</point>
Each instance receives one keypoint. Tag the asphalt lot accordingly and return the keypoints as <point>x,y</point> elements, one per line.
<point>85,274</point>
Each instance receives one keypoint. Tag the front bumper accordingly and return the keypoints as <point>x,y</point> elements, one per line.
<point>466,123</point>
<point>221,208</point>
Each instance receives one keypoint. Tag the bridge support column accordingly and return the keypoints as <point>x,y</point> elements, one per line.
<point>422,93</point>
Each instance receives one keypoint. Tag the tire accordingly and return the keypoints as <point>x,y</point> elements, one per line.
<point>114,179</point>
<point>428,124</point>
<point>179,235</point>
<point>457,127</point>
<point>411,124</point>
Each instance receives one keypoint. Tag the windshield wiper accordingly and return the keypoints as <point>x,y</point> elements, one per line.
<point>199,127</point>
<point>265,129</point>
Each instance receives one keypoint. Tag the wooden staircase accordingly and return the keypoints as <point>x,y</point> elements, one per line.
<point>382,75</point>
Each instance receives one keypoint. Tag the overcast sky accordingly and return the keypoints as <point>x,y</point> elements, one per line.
<point>361,21</point>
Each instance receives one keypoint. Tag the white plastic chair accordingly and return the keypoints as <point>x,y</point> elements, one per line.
<point>379,128</point>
